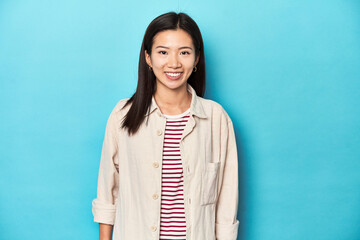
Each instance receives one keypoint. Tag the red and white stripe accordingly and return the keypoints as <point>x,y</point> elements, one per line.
<point>172,216</point>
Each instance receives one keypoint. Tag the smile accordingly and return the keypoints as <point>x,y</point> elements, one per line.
<point>173,75</point>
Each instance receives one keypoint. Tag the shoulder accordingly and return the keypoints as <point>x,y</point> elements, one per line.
<point>214,109</point>
<point>120,108</point>
<point>120,104</point>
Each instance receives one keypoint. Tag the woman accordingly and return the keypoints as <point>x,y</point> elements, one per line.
<point>168,167</point>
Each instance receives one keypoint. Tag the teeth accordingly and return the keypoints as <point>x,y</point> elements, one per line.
<point>173,74</point>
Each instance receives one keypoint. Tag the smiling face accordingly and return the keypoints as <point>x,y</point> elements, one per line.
<point>172,58</point>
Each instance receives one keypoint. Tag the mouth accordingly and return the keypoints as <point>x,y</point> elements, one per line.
<point>173,75</point>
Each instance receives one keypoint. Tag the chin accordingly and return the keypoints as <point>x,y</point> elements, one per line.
<point>173,84</point>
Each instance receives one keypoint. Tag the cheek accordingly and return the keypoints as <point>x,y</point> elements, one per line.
<point>189,63</point>
<point>159,62</point>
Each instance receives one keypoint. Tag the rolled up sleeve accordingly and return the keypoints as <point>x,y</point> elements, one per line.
<point>226,225</point>
<point>104,205</point>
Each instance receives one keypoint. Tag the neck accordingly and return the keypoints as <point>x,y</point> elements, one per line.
<point>172,101</point>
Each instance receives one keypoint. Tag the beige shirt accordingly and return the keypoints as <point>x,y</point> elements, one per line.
<point>129,180</point>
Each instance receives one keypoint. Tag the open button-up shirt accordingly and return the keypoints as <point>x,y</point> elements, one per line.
<point>129,180</point>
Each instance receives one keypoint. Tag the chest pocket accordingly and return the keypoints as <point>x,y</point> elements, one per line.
<point>209,183</point>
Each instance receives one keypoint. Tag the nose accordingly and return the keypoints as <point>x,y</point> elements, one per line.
<point>173,61</point>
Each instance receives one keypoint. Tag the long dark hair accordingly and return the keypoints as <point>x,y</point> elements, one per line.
<point>146,86</point>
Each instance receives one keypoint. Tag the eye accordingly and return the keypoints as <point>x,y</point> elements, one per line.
<point>162,52</point>
<point>185,53</point>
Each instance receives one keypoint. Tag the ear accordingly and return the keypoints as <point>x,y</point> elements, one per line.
<point>197,60</point>
<point>148,59</point>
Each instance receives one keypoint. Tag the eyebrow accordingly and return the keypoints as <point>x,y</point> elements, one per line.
<point>168,48</point>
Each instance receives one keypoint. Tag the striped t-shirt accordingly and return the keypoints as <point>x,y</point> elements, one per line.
<point>172,216</point>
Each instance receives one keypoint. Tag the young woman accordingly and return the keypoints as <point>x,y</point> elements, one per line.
<point>169,166</point>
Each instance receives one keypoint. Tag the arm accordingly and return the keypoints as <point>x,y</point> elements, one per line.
<point>104,206</point>
<point>105,231</point>
<point>226,226</point>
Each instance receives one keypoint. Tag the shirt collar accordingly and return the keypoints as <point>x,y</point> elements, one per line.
<point>196,107</point>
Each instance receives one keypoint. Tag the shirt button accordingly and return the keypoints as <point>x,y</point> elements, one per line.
<point>153,228</point>
<point>159,132</point>
<point>155,196</point>
<point>155,165</point>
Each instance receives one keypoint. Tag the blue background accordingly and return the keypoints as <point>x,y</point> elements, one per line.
<point>287,72</point>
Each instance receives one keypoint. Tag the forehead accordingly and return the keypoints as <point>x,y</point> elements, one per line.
<point>173,38</point>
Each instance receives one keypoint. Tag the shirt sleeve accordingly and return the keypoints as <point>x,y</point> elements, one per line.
<point>226,225</point>
<point>104,205</point>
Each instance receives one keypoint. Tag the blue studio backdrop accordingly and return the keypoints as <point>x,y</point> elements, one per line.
<point>287,72</point>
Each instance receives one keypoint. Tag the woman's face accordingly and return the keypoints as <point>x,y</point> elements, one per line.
<point>172,58</point>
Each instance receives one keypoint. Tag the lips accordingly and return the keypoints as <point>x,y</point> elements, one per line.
<point>173,75</point>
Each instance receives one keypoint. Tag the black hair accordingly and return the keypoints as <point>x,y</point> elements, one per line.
<point>146,86</point>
